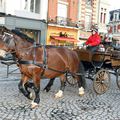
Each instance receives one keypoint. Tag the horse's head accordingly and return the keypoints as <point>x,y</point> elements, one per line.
<point>7,43</point>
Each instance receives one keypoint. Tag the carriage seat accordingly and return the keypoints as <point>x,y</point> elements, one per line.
<point>115,54</point>
<point>84,55</point>
<point>116,47</point>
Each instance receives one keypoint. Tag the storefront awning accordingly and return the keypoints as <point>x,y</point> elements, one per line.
<point>68,39</point>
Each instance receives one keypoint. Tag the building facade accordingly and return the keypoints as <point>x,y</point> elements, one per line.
<point>103,15</point>
<point>28,16</point>
<point>62,22</point>
<point>114,24</point>
<point>93,12</point>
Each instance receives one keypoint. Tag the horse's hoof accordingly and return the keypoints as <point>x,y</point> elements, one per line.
<point>59,94</point>
<point>81,91</point>
<point>34,105</point>
<point>81,94</point>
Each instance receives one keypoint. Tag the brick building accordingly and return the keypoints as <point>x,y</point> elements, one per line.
<point>62,22</point>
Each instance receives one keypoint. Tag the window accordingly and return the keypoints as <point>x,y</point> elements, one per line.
<point>35,6</point>
<point>62,10</point>
<point>0,3</point>
<point>32,5</point>
<point>104,18</point>
<point>115,30</point>
<point>87,22</point>
<point>26,5</point>
<point>101,17</point>
<point>111,17</point>
<point>62,13</point>
<point>89,2</point>
<point>115,17</point>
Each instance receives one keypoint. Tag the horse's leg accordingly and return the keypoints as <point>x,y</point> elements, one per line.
<point>36,88</point>
<point>22,87</point>
<point>48,86</point>
<point>81,79</point>
<point>29,85</point>
<point>60,92</point>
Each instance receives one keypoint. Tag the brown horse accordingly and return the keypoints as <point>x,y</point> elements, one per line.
<point>3,54</point>
<point>56,63</point>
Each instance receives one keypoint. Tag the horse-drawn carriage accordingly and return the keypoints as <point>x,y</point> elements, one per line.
<point>36,61</point>
<point>98,65</point>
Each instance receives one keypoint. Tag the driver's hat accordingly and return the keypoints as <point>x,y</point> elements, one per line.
<point>94,29</point>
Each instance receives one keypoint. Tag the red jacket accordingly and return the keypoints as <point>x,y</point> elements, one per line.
<point>93,40</point>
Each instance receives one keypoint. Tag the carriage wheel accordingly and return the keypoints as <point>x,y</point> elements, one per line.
<point>118,78</point>
<point>101,81</point>
<point>71,80</point>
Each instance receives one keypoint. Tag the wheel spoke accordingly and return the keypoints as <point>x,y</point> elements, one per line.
<point>102,81</point>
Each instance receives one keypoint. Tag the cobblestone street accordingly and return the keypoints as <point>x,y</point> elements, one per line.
<point>14,106</point>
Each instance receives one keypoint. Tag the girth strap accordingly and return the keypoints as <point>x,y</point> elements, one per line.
<point>39,65</point>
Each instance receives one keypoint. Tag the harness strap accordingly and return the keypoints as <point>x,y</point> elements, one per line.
<point>39,65</point>
<point>44,55</point>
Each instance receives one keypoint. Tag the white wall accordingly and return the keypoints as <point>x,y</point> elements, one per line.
<point>11,6</point>
<point>44,9</point>
<point>16,7</point>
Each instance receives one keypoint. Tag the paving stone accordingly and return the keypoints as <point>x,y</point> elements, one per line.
<point>14,106</point>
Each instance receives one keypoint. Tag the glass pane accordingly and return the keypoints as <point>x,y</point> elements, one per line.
<point>37,6</point>
<point>1,3</point>
<point>32,6</point>
<point>62,10</point>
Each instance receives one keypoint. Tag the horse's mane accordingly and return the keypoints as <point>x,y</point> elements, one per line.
<point>22,35</point>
